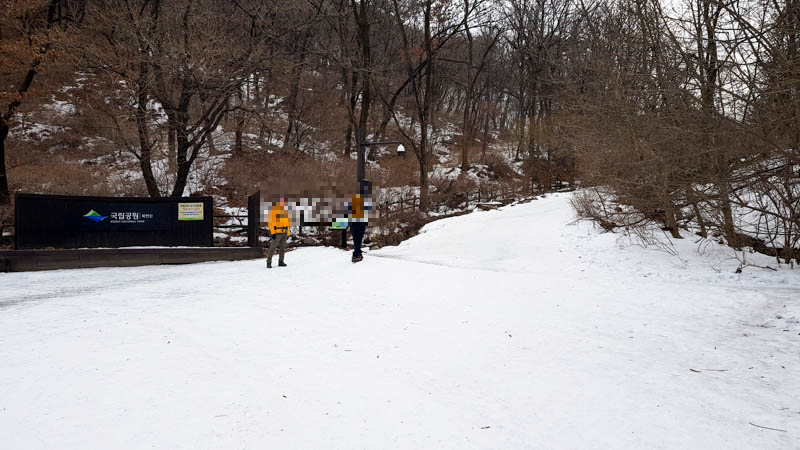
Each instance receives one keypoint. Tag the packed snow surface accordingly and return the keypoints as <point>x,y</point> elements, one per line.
<point>507,329</point>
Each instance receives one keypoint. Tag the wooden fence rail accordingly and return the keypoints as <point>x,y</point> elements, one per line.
<point>403,204</point>
<point>241,226</point>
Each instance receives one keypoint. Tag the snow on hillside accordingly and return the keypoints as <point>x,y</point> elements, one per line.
<point>514,328</point>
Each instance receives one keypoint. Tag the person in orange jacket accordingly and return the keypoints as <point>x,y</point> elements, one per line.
<point>279,223</point>
<point>358,218</point>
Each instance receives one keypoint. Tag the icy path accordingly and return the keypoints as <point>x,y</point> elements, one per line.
<point>502,329</point>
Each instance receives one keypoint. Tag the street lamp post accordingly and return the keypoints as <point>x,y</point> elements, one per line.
<point>362,149</point>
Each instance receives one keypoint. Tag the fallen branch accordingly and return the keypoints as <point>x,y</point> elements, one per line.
<point>766,428</point>
<point>739,269</point>
<point>708,370</point>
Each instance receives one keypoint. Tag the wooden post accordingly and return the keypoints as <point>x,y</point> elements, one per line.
<point>253,219</point>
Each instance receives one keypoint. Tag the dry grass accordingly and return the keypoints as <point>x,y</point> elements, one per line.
<point>397,228</point>
<point>62,177</point>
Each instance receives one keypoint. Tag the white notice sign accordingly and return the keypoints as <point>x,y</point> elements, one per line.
<point>190,211</point>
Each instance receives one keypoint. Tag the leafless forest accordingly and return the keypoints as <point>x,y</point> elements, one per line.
<point>684,113</point>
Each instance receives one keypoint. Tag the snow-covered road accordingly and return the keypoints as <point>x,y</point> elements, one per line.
<point>500,329</point>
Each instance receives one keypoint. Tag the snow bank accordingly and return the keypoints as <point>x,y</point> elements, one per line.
<point>512,328</point>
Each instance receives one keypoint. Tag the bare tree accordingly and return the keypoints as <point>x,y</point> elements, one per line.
<point>179,63</point>
<point>476,14</point>
<point>420,65</point>
<point>540,35</point>
<point>26,44</point>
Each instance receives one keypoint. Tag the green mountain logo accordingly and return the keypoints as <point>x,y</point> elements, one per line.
<point>94,216</point>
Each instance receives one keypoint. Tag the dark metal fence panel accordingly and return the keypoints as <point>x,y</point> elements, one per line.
<point>253,219</point>
<point>62,221</point>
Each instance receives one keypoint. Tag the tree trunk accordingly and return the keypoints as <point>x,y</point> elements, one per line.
<point>532,150</point>
<point>5,196</point>
<point>291,101</point>
<point>212,146</point>
<point>145,162</point>
<point>727,213</point>
<point>386,117</point>
<point>381,134</point>
<point>145,146</point>
<point>240,117</point>
<point>466,138</point>
<point>709,71</point>
<point>500,124</point>
<point>520,135</point>
<point>423,182</point>
<point>147,172</point>
<point>237,145</point>
<point>265,93</point>
<point>348,139</point>
<point>181,177</point>
<point>669,217</point>
<point>184,161</point>
<point>485,139</point>
<point>352,80</point>
<point>172,155</point>
<point>700,221</point>
<point>365,63</point>
<point>425,113</point>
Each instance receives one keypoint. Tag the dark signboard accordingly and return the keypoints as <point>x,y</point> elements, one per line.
<point>107,216</point>
<point>60,221</point>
